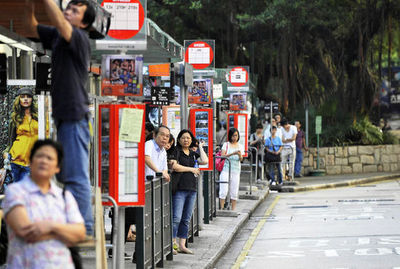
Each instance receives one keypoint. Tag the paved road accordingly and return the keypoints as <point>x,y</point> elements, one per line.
<point>356,227</point>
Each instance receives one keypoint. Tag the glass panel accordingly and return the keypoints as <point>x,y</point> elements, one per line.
<point>201,131</point>
<point>105,150</point>
<point>242,130</point>
<point>231,121</point>
<point>128,169</point>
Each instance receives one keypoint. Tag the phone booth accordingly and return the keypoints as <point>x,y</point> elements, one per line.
<point>201,125</point>
<point>121,153</point>
<point>240,122</point>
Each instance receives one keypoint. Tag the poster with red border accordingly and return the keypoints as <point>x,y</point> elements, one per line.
<point>122,75</point>
<point>126,186</point>
<point>200,54</point>
<point>201,125</point>
<point>238,78</point>
<point>128,25</point>
<point>240,122</point>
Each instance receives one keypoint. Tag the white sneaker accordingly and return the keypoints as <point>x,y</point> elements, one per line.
<point>273,183</point>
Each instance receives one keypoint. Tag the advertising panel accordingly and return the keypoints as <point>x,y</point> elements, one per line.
<point>122,75</point>
<point>201,92</point>
<point>238,101</point>
<point>201,125</point>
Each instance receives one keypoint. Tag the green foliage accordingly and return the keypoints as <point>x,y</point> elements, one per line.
<point>319,51</point>
<point>369,133</point>
<point>389,138</point>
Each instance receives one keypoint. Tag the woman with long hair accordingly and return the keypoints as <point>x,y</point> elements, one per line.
<point>234,152</point>
<point>22,134</point>
<point>183,200</point>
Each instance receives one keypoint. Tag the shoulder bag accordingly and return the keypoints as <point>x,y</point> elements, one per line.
<point>219,162</point>
<point>270,157</point>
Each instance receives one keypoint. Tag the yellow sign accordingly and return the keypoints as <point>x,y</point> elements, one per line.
<point>131,125</point>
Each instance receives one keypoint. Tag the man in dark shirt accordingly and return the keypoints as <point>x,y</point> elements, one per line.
<point>70,60</point>
<point>300,142</point>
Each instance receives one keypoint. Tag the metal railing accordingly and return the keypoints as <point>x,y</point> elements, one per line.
<point>209,193</point>
<point>223,182</point>
<point>154,225</point>
<point>250,156</point>
<point>115,245</point>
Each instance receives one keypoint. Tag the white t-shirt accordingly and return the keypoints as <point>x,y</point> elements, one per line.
<point>157,155</point>
<point>279,132</point>
<point>289,135</point>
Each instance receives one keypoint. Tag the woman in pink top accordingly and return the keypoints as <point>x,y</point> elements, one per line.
<point>41,220</point>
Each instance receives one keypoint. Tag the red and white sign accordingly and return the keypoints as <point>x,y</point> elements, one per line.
<point>238,76</point>
<point>127,17</point>
<point>199,54</point>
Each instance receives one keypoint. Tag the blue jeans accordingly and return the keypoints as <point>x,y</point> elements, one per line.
<point>298,162</point>
<point>18,172</point>
<point>182,209</point>
<point>74,137</point>
<point>272,172</point>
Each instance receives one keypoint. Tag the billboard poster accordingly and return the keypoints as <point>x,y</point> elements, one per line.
<point>122,75</point>
<point>238,101</point>
<point>201,92</point>
<point>7,107</point>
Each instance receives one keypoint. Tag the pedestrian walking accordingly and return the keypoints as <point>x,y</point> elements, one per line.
<point>289,133</point>
<point>41,220</point>
<point>273,146</point>
<point>300,144</point>
<point>234,152</point>
<point>22,134</point>
<point>70,47</point>
<point>183,200</point>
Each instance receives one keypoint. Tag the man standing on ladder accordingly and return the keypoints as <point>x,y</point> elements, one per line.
<point>70,47</point>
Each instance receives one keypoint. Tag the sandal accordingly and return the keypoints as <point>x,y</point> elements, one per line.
<point>185,251</point>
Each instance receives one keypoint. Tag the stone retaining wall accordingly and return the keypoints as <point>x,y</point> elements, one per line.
<point>353,159</point>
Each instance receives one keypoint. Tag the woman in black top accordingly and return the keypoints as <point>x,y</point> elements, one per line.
<point>184,198</point>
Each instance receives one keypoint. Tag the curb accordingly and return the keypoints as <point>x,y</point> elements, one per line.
<point>339,184</point>
<point>213,260</point>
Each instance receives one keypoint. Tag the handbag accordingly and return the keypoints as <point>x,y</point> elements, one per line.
<point>219,162</point>
<point>76,257</point>
<point>272,158</point>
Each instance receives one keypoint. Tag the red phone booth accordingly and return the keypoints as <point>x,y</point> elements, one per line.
<point>121,153</point>
<point>201,125</point>
<point>240,122</point>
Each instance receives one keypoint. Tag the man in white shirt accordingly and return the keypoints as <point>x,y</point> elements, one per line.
<point>155,154</point>
<point>289,133</point>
